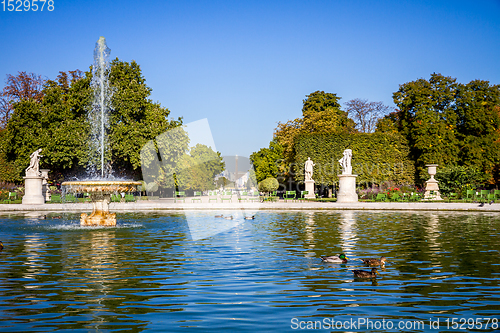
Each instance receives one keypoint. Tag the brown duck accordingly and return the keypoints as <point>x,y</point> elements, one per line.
<point>374,262</point>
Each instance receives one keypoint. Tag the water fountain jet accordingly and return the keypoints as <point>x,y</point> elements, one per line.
<point>101,188</point>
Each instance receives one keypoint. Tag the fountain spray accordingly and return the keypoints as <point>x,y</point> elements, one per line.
<point>101,106</point>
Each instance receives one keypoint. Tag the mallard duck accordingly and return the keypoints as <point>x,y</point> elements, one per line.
<point>365,274</point>
<point>1,245</point>
<point>219,216</point>
<point>341,258</point>
<point>374,262</point>
<point>250,217</point>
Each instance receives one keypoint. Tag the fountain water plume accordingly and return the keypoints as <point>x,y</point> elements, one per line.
<point>100,187</point>
<point>99,113</point>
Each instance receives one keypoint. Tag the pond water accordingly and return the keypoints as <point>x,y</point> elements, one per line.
<point>150,274</point>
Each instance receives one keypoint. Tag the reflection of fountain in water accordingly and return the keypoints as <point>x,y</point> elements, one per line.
<point>348,233</point>
<point>309,229</point>
<point>433,232</point>
<point>34,247</point>
<point>432,238</point>
<point>97,257</point>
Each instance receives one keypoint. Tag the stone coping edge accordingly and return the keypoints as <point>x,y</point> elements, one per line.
<point>162,205</point>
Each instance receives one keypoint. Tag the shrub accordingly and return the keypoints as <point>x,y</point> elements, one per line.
<point>459,179</point>
<point>269,185</point>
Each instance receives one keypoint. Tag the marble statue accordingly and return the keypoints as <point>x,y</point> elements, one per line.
<point>34,167</point>
<point>345,162</point>
<point>309,169</point>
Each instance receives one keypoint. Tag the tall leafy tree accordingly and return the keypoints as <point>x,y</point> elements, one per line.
<point>57,122</point>
<point>135,118</point>
<point>478,124</point>
<point>428,120</point>
<point>266,161</point>
<point>198,169</point>
<point>23,86</point>
<point>321,113</point>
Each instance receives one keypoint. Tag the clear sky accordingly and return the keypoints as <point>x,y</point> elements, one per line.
<point>246,65</point>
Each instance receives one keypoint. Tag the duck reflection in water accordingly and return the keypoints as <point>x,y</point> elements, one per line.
<point>360,274</point>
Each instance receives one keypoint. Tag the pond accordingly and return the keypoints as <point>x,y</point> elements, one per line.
<point>157,272</point>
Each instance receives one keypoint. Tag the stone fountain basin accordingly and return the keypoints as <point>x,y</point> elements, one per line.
<point>100,193</point>
<point>101,186</point>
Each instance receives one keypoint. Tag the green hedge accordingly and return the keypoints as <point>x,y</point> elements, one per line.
<point>376,158</point>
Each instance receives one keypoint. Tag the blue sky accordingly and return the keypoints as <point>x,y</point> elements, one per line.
<point>247,65</point>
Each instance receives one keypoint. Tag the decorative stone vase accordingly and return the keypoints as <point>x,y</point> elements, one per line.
<point>431,186</point>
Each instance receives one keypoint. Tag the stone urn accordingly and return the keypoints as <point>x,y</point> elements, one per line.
<point>431,186</point>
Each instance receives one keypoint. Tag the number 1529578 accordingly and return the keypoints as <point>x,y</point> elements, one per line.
<point>27,5</point>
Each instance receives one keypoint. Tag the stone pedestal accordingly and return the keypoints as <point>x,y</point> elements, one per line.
<point>100,212</point>
<point>347,189</point>
<point>33,191</point>
<point>431,186</point>
<point>45,184</point>
<point>310,189</point>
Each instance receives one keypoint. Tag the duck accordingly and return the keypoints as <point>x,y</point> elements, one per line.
<point>219,216</point>
<point>1,245</point>
<point>230,217</point>
<point>341,258</point>
<point>365,274</point>
<point>374,262</point>
<point>250,217</point>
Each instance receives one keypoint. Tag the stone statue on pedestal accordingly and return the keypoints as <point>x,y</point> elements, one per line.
<point>309,169</point>
<point>34,167</point>
<point>347,181</point>
<point>33,189</point>
<point>345,162</point>
<point>308,181</point>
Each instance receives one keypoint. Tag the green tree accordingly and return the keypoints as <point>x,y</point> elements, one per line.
<point>478,124</point>
<point>56,124</point>
<point>56,121</point>
<point>266,161</point>
<point>163,157</point>
<point>321,113</point>
<point>388,123</point>
<point>428,120</point>
<point>198,169</point>
<point>135,118</point>
<point>449,123</point>
<point>23,86</point>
